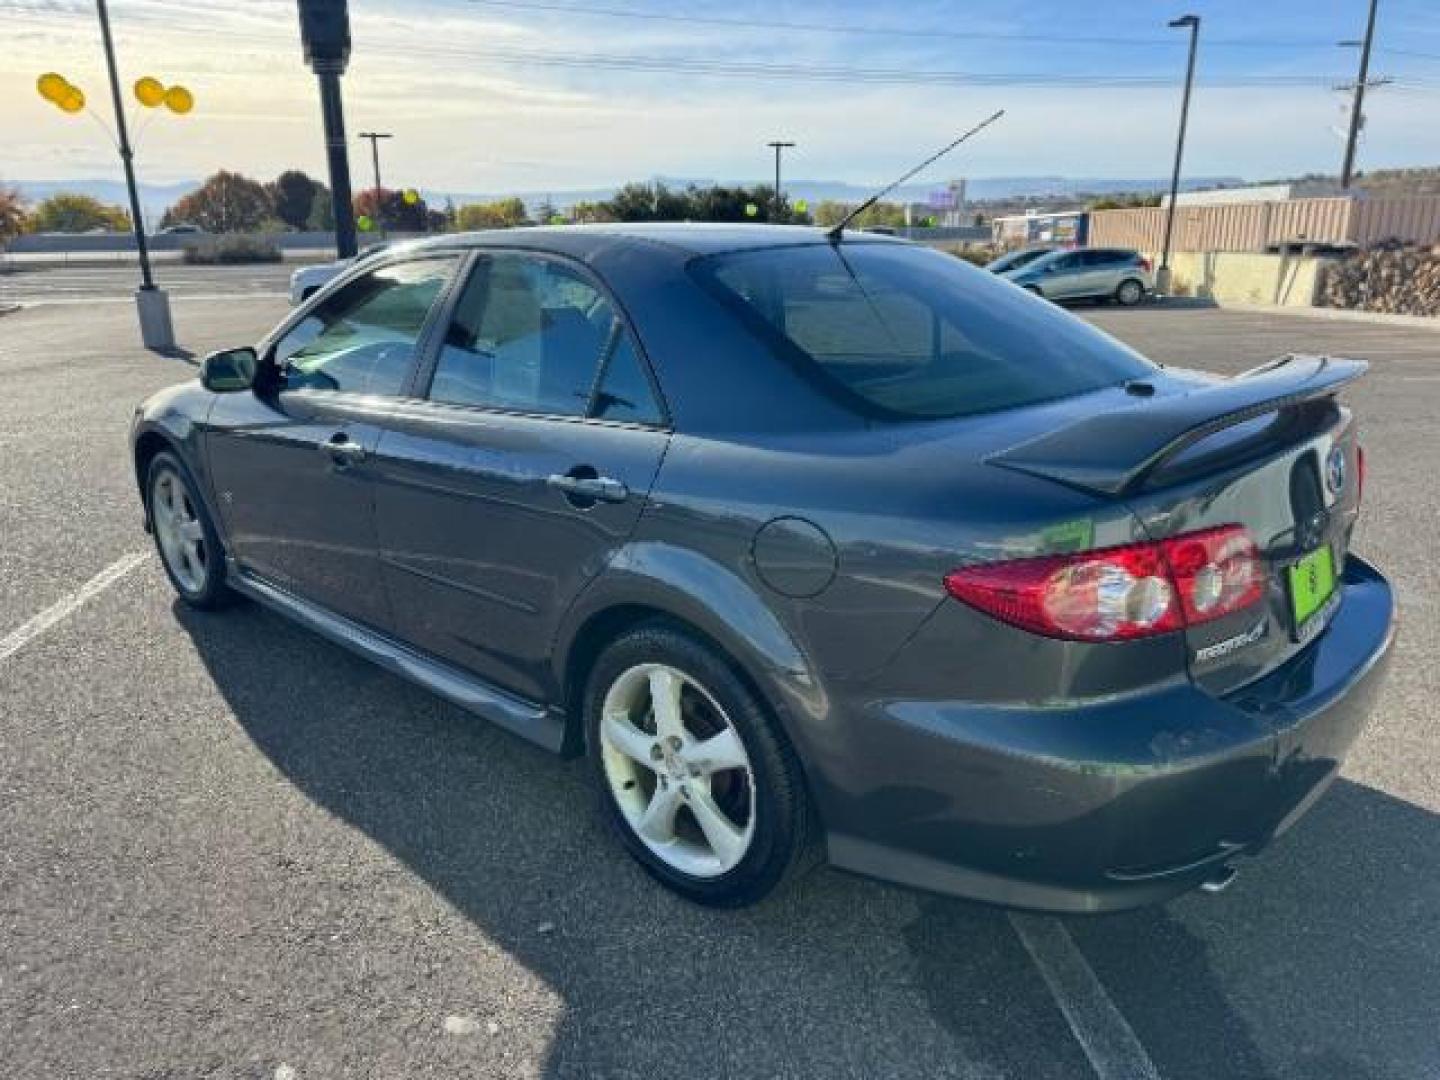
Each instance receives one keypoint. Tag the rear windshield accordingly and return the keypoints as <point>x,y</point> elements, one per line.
<point>903,332</point>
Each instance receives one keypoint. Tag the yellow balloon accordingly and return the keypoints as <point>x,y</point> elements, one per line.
<point>179,100</point>
<point>149,91</point>
<point>52,86</point>
<point>411,196</point>
<point>73,101</point>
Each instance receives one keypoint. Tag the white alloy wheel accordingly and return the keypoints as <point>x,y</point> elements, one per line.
<point>177,527</point>
<point>678,770</point>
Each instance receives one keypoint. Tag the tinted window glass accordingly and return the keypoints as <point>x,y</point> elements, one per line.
<point>362,339</point>
<point>624,392</point>
<point>529,334</point>
<point>910,333</point>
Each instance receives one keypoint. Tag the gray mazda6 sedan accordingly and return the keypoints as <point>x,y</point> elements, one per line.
<point>813,546</point>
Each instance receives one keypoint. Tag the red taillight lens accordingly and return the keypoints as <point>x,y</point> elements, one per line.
<point>1216,571</point>
<point>1119,593</point>
<point>1144,264</point>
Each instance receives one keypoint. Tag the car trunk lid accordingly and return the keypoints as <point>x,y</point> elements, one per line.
<point>1272,451</point>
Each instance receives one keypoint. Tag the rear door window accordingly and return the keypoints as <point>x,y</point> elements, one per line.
<point>531,335</point>
<point>903,332</point>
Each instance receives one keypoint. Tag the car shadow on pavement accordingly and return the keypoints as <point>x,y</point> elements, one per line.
<point>838,976</point>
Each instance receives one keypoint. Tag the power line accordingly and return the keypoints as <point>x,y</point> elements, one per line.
<point>634,63</point>
<point>874,31</point>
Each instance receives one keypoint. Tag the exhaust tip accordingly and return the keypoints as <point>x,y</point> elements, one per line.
<point>1219,881</point>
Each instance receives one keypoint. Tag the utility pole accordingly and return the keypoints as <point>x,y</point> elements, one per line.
<point>1347,170</point>
<point>375,137</point>
<point>779,147</point>
<point>1162,278</point>
<point>153,305</point>
<point>325,34</point>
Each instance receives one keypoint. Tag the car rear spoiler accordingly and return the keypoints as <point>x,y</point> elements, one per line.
<point>1113,453</point>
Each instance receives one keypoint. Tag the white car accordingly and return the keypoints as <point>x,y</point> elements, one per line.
<point>308,280</point>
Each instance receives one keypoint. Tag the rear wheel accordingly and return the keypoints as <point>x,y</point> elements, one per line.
<point>184,534</point>
<point>1129,292</point>
<point>700,785</point>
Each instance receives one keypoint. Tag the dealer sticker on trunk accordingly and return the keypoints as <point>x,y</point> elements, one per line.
<point>1312,591</point>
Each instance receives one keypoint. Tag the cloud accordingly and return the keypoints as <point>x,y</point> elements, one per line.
<point>466,118</point>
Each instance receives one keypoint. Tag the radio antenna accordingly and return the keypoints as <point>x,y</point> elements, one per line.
<point>834,234</point>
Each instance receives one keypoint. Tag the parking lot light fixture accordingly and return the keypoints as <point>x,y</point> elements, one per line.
<point>1162,276</point>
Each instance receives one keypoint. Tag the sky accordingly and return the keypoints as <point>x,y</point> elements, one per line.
<point>490,96</point>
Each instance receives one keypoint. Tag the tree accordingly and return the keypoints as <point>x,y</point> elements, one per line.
<point>830,213</point>
<point>68,213</point>
<point>12,214</point>
<point>501,214</point>
<point>227,202</point>
<point>389,209</point>
<point>292,196</point>
<point>545,212</point>
<point>590,211</point>
<point>322,212</point>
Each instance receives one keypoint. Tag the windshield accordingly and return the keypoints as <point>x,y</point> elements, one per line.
<point>1016,259</point>
<point>904,332</point>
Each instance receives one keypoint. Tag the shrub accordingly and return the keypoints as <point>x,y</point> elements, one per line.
<point>232,248</point>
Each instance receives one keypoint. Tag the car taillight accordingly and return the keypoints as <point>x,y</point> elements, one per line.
<point>1144,264</point>
<point>1119,593</point>
<point>1216,571</point>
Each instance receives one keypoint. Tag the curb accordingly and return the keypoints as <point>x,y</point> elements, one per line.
<point>1376,318</point>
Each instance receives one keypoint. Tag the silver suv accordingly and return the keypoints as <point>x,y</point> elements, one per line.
<point>1089,273</point>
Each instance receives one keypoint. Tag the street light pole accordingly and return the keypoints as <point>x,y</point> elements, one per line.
<point>156,330</point>
<point>325,35</point>
<point>1162,282</point>
<point>1356,117</point>
<point>778,147</point>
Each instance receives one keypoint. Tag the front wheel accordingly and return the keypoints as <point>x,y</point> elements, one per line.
<point>697,780</point>
<point>1129,292</point>
<point>184,535</point>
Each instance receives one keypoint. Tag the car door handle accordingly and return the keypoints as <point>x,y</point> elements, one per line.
<point>342,450</point>
<point>595,488</point>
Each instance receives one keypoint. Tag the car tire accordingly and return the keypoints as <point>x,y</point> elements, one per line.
<point>1129,292</point>
<point>662,781</point>
<point>185,535</point>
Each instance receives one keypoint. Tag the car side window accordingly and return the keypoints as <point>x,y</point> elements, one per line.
<point>362,339</point>
<point>531,335</point>
<point>1066,262</point>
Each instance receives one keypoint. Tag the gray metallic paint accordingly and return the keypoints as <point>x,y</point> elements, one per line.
<point>943,748</point>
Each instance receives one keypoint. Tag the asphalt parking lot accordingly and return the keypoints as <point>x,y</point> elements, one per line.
<point>36,282</point>
<point>232,850</point>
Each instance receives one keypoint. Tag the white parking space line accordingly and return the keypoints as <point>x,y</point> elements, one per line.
<point>61,610</point>
<point>1103,1033</point>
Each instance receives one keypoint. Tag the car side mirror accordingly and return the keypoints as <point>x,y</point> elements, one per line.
<point>229,370</point>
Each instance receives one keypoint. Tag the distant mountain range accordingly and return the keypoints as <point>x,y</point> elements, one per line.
<point>155,198</point>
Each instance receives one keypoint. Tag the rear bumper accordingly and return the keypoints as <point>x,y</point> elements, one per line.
<point>1108,805</point>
